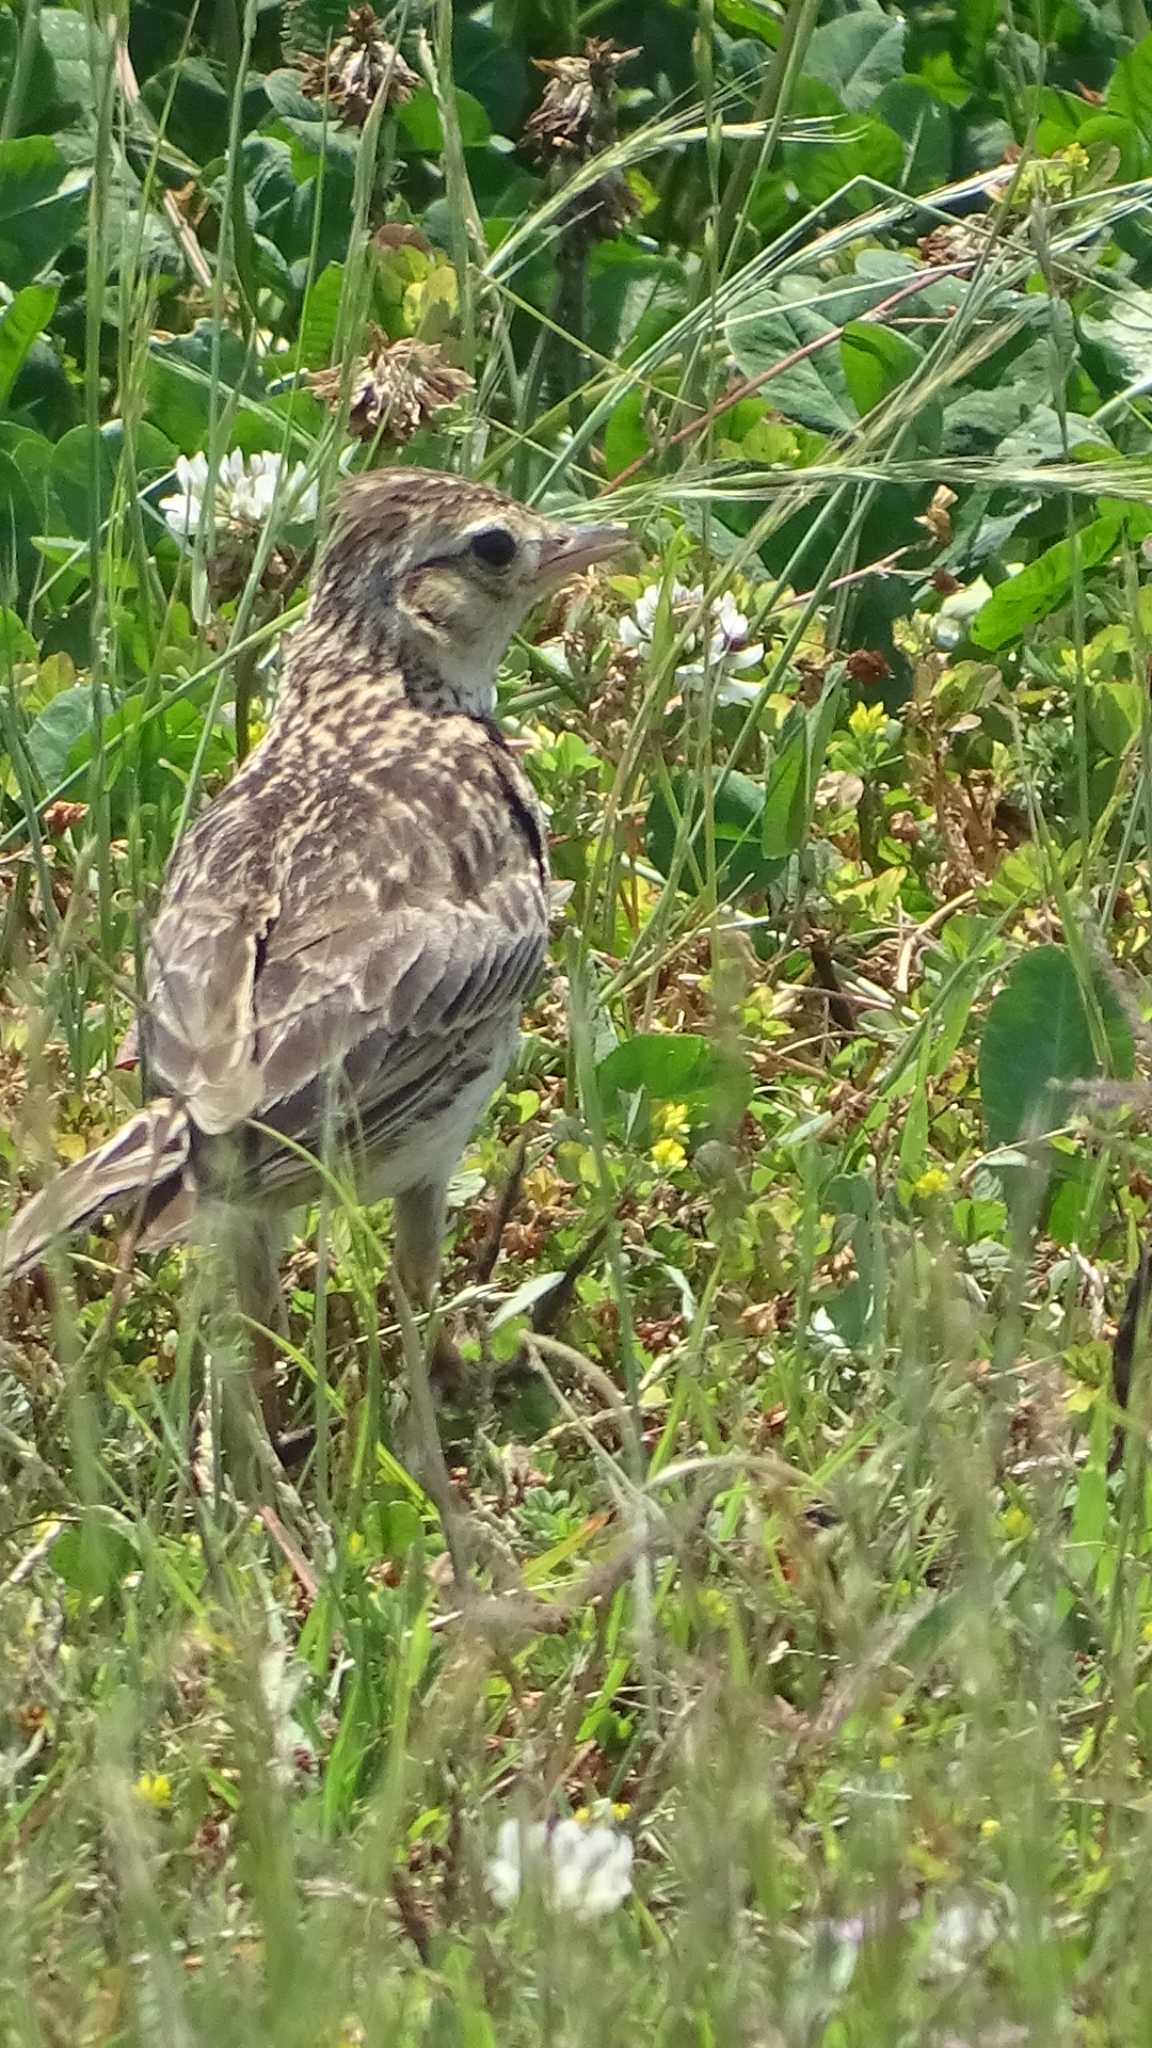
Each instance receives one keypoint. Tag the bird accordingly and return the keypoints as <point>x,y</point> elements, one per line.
<point>348,932</point>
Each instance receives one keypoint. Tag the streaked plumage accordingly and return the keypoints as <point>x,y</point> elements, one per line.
<point>348,933</point>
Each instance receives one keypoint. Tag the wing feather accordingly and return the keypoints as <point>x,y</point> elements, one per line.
<point>350,1002</point>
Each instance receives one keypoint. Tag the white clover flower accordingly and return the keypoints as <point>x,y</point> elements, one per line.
<point>246,489</point>
<point>584,1869</point>
<point>717,646</point>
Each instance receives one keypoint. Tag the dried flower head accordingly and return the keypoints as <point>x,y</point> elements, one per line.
<point>577,115</point>
<point>600,212</point>
<point>361,64</point>
<point>396,389</point>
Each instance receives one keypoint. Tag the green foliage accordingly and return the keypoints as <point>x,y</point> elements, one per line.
<point>790,1385</point>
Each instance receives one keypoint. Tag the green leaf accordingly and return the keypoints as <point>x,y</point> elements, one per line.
<point>784,818</point>
<point>16,642</point>
<point>1044,584</point>
<point>42,205</point>
<point>20,324</point>
<point>490,69</point>
<point>814,390</point>
<point>925,127</point>
<point>859,147</point>
<point>1116,333</point>
<point>1130,92</point>
<point>1115,715</point>
<point>791,789</point>
<point>18,524</point>
<point>738,806</point>
<point>419,121</point>
<point>193,106</point>
<point>54,733</point>
<point>677,1067</point>
<point>857,55</point>
<point>876,362</point>
<point>753,15</point>
<point>64,35</point>
<point>84,480</point>
<point>319,317</point>
<point>1038,1038</point>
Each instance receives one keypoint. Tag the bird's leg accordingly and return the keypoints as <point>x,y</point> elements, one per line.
<point>420,1219</point>
<point>245,1364</point>
<point>260,1298</point>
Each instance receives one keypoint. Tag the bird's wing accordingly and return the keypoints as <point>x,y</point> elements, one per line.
<point>375,966</point>
<point>221,898</point>
<point>374,1029</point>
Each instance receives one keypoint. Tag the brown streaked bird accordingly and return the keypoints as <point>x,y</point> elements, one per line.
<point>348,933</point>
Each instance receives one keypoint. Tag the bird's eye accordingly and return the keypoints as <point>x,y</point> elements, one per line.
<point>494,546</point>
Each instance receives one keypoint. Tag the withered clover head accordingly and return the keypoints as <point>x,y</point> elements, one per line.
<point>357,67</point>
<point>576,114</point>
<point>396,389</point>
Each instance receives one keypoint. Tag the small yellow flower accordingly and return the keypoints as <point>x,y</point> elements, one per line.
<point>671,1119</point>
<point>1015,1522</point>
<point>931,1184</point>
<point>989,1828</point>
<point>668,1154</point>
<point>153,1789</point>
<point>867,721</point>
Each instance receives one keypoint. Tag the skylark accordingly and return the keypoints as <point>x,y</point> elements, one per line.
<point>347,935</point>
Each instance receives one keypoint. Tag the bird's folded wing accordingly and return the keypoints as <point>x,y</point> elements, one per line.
<point>370,1030</point>
<point>346,1023</point>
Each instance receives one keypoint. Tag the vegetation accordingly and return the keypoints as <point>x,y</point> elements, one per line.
<point>789,1258</point>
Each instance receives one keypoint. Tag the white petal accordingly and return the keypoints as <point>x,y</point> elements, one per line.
<point>732,692</point>
<point>181,514</point>
<point>745,657</point>
<point>630,634</point>
<point>192,471</point>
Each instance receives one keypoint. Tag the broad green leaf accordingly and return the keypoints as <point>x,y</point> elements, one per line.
<point>813,390</point>
<point>1130,92</point>
<point>1116,331</point>
<point>1115,715</point>
<point>84,479</point>
<point>857,55</point>
<point>784,818</point>
<point>490,70</point>
<point>419,122</point>
<point>52,736</point>
<point>42,205</point>
<point>859,147</point>
<point>194,104</point>
<point>1046,583</point>
<point>16,642</point>
<point>632,296</point>
<point>18,525</point>
<point>752,15</point>
<point>20,324</point>
<point>876,360</point>
<point>64,35</point>
<point>677,1067</point>
<point>1038,1038</point>
<point>319,318</point>
<point>738,806</point>
<point>925,127</point>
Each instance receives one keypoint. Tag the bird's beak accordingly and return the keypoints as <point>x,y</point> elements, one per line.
<point>572,549</point>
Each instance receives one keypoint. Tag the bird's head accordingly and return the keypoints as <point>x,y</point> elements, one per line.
<point>432,574</point>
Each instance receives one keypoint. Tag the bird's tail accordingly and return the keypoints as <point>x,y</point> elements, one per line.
<point>141,1165</point>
